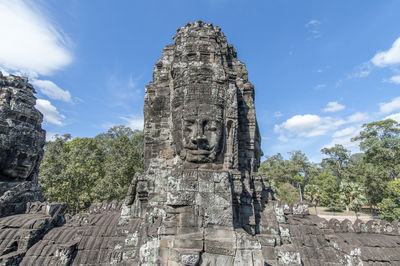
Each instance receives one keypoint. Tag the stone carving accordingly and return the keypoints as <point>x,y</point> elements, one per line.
<point>199,109</point>
<point>21,145</point>
<point>200,200</point>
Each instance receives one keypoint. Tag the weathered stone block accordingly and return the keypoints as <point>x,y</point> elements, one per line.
<point>269,240</point>
<point>190,175</point>
<point>216,259</point>
<point>218,247</point>
<point>190,259</point>
<point>180,198</point>
<point>246,241</point>
<point>268,253</point>
<point>220,233</point>
<point>188,244</point>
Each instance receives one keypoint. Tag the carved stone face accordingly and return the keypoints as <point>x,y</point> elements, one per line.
<point>202,128</point>
<point>20,167</point>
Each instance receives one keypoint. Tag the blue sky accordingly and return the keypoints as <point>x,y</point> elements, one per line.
<point>320,68</point>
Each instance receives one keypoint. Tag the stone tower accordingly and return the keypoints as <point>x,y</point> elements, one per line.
<point>201,148</point>
<point>21,145</point>
<point>199,110</point>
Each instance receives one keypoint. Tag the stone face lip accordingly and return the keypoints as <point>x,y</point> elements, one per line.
<point>21,145</point>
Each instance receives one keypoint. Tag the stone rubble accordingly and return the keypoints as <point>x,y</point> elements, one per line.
<point>200,200</point>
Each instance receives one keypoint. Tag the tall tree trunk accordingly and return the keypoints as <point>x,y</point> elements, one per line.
<point>301,195</point>
<point>315,208</point>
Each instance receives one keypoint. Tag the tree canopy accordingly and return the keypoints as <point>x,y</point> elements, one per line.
<point>343,180</point>
<point>81,171</point>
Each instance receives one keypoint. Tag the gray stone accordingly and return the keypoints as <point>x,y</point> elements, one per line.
<point>21,145</point>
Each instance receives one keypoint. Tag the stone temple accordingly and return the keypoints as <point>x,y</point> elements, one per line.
<point>200,200</point>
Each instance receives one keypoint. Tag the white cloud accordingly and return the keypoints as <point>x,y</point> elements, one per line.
<point>278,114</point>
<point>51,90</point>
<point>313,27</point>
<point>49,111</point>
<point>51,136</point>
<point>333,107</point>
<point>360,71</point>
<point>348,131</point>
<point>30,43</point>
<point>395,117</point>
<point>391,106</point>
<point>395,79</point>
<point>282,138</point>
<point>389,57</point>
<point>134,122</point>
<point>320,86</point>
<point>308,125</point>
<point>357,117</point>
<point>344,137</point>
<point>302,123</point>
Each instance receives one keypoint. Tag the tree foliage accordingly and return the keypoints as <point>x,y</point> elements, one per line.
<point>81,171</point>
<point>287,192</point>
<point>352,195</point>
<point>390,205</point>
<point>343,180</point>
<point>381,143</point>
<point>313,194</point>
<point>337,161</point>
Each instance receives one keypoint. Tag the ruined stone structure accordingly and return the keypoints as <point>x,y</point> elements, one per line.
<point>25,220</point>
<point>200,200</point>
<point>21,145</point>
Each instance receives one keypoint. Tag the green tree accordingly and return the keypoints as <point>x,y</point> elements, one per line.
<point>123,150</point>
<point>381,142</point>
<point>299,167</point>
<point>337,160</point>
<point>81,171</point>
<point>328,187</point>
<point>52,169</point>
<point>275,167</point>
<point>350,192</point>
<point>375,181</point>
<point>313,194</point>
<point>294,171</point>
<point>84,168</point>
<point>390,205</point>
<point>287,192</point>
<point>357,204</point>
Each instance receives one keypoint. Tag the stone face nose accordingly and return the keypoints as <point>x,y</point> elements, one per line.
<point>200,141</point>
<point>198,138</point>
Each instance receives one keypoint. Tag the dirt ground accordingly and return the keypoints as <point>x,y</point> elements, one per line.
<point>324,212</point>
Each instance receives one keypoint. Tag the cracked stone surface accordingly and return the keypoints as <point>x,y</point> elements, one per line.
<point>200,200</point>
